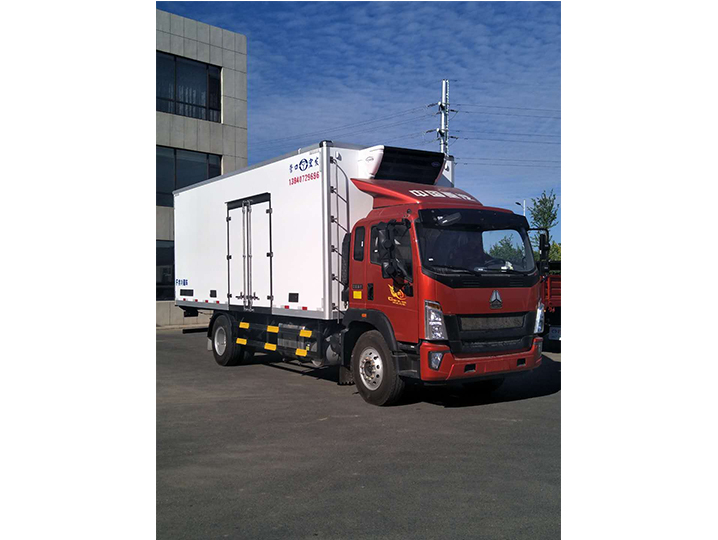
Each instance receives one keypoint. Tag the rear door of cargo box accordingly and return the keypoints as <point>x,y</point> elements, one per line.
<point>249,250</point>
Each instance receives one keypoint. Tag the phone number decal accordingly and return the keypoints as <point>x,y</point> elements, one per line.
<point>304,178</point>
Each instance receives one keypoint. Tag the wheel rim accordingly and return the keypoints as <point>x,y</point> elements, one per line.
<point>220,340</point>
<point>371,368</point>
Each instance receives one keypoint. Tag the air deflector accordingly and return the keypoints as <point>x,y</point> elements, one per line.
<point>408,165</point>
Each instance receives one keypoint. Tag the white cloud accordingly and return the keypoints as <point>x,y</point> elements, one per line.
<point>314,66</point>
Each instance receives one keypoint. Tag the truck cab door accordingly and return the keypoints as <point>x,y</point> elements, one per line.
<point>396,298</point>
<point>357,289</point>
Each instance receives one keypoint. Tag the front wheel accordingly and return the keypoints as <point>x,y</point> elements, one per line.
<point>374,372</point>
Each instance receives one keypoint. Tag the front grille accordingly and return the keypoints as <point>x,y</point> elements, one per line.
<point>496,347</point>
<point>490,333</point>
<point>498,322</point>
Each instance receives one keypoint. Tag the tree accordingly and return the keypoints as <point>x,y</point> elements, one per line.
<point>554,252</point>
<point>505,250</point>
<point>544,213</point>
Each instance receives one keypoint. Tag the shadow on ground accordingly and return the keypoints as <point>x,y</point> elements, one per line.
<point>274,360</point>
<point>552,346</point>
<point>543,381</point>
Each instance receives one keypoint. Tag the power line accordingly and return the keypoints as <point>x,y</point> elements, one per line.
<point>325,134</point>
<point>510,165</point>
<point>313,136</point>
<point>504,133</point>
<point>507,140</point>
<point>339,128</point>
<point>506,107</point>
<point>511,114</point>
<point>409,136</point>
<point>512,159</point>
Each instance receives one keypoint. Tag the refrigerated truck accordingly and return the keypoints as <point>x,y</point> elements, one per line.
<point>363,257</point>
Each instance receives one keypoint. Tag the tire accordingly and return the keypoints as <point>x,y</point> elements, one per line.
<point>374,372</point>
<point>485,387</point>
<point>225,349</point>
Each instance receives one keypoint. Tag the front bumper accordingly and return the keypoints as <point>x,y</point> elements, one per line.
<point>466,366</point>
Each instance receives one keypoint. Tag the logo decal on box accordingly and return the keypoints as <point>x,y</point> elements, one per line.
<point>304,164</point>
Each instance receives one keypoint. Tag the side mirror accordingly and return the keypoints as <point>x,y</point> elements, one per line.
<point>396,271</point>
<point>384,244</point>
<point>388,269</point>
<point>543,252</point>
<point>543,243</point>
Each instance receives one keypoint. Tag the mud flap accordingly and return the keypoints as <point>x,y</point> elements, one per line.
<point>346,377</point>
<point>406,365</point>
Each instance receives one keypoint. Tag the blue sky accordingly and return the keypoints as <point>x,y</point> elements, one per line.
<point>314,67</point>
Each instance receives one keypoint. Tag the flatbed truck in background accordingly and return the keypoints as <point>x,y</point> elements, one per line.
<point>366,258</point>
<point>552,301</point>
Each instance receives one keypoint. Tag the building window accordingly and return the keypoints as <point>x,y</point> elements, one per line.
<point>165,270</point>
<point>188,88</point>
<point>181,168</point>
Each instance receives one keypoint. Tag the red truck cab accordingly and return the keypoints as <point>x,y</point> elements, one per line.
<point>450,283</point>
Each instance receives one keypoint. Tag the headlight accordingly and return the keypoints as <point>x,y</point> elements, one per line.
<point>538,327</point>
<point>434,321</point>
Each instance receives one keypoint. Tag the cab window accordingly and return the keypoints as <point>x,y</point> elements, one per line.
<point>359,244</point>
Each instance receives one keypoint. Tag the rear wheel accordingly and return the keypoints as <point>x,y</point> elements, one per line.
<point>226,350</point>
<point>374,372</point>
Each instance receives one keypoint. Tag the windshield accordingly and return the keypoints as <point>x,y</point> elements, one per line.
<point>476,241</point>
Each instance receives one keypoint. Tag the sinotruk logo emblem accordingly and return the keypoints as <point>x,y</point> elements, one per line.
<point>495,300</point>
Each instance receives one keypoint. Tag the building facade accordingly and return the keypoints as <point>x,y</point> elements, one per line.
<point>201,127</point>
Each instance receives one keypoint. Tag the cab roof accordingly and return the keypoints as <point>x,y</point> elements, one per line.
<point>395,192</point>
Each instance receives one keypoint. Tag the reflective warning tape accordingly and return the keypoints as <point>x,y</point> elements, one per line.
<point>276,329</point>
<point>303,353</point>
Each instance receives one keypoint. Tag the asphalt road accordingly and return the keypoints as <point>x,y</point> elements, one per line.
<point>277,450</point>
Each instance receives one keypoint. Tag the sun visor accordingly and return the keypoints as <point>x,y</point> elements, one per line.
<point>402,164</point>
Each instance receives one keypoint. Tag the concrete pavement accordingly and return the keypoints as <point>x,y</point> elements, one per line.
<point>276,450</point>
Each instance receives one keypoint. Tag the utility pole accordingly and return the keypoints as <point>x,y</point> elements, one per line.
<point>443,131</point>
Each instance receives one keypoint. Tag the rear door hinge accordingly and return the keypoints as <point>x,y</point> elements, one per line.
<point>229,257</point>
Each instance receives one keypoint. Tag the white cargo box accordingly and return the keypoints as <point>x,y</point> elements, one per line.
<point>267,238</point>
